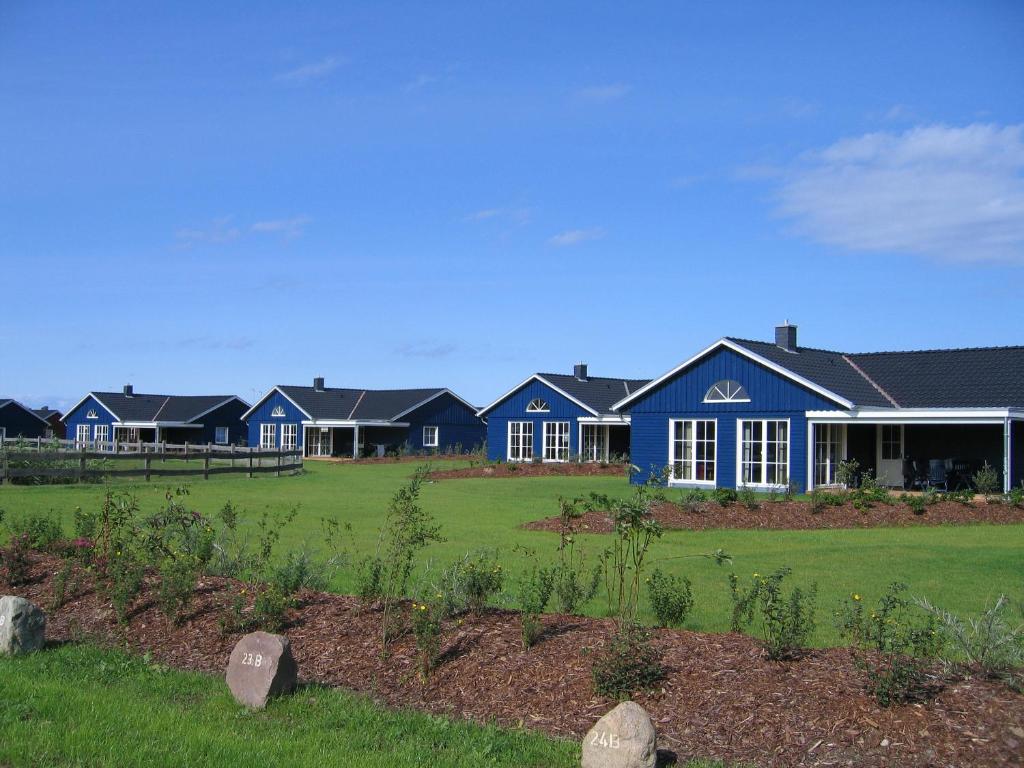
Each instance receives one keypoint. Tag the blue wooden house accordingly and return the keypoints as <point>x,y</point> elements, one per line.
<point>763,414</point>
<point>558,417</point>
<point>18,421</point>
<point>332,421</point>
<point>130,416</point>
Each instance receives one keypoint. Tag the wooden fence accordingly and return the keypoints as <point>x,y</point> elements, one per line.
<point>63,460</point>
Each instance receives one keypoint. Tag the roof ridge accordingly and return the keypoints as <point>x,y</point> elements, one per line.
<point>352,412</point>
<point>159,410</point>
<point>872,382</point>
<point>589,378</point>
<point>887,351</point>
<point>773,344</point>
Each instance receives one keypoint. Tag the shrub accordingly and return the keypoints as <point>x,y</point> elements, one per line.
<point>964,496</point>
<point>369,575</point>
<point>931,497</point>
<point>749,498</point>
<point>890,645</point>
<point>124,582</point>
<point>786,623</point>
<point>269,609</point>
<point>572,586</point>
<point>671,598</point>
<point>990,641</point>
<point>177,586</point>
<point>61,581</point>
<point>987,480</point>
<point>1016,496</point>
<point>723,496</point>
<point>426,627</point>
<point>535,590</point>
<point>481,579</point>
<point>821,500</point>
<point>628,664</point>
<point>301,570</point>
<point>693,500</point>
<point>41,530</point>
<point>15,560</point>
<point>869,492</point>
<point>623,562</point>
<point>917,504</point>
<point>847,472</point>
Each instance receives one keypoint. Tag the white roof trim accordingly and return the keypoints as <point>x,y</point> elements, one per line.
<point>271,391</point>
<point>741,350</point>
<point>156,424</point>
<point>354,423</point>
<point>93,396</point>
<point>434,396</point>
<point>622,418</point>
<point>926,415</point>
<point>543,381</point>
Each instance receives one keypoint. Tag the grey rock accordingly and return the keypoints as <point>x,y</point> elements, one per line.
<point>261,666</point>
<point>22,626</point>
<point>624,738</point>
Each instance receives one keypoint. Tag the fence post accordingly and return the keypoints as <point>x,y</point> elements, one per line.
<point>206,463</point>
<point>186,451</point>
<point>81,463</point>
<point>278,462</point>
<point>4,467</point>
<point>250,463</point>
<point>39,444</point>
<point>148,461</point>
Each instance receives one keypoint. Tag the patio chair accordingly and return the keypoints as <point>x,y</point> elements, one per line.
<point>937,476</point>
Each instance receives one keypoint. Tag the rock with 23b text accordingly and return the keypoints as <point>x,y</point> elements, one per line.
<point>22,626</point>
<point>261,666</point>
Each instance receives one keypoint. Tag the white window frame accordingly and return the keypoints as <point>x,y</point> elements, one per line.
<point>82,435</point>
<point>525,446</point>
<point>100,434</point>
<point>557,431</point>
<point>268,436</point>
<point>673,480</point>
<point>764,463</point>
<point>725,396</point>
<point>289,437</point>
<point>91,414</point>
<point>538,405</point>
<point>217,435</point>
<point>278,412</point>
<point>883,443</point>
<point>839,442</point>
<point>596,449</point>
<point>432,442</point>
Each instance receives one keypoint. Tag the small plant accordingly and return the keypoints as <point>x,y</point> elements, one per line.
<point>303,570</point>
<point>847,472</point>
<point>790,491</point>
<point>369,576</point>
<point>572,585</point>
<point>177,586</point>
<point>869,492</point>
<point>890,644</point>
<point>535,590</point>
<point>482,578</point>
<point>918,504</point>
<point>15,560</point>
<point>43,531</point>
<point>992,641</point>
<point>628,664</point>
<point>693,500</point>
<point>1016,496</point>
<point>822,500</point>
<point>786,623</point>
<point>426,627</point>
<point>987,480</point>
<point>124,582</point>
<point>724,496</point>
<point>269,609</point>
<point>671,598</point>
<point>748,498</point>
<point>62,580</point>
<point>623,562</point>
<point>963,496</point>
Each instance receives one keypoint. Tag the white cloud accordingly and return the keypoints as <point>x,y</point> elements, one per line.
<point>289,228</point>
<point>309,71</point>
<point>514,215</point>
<point>219,231</point>
<point>576,236</point>
<point>602,94</point>
<point>955,194</point>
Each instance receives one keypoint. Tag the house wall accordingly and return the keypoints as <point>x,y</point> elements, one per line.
<point>17,422</point>
<point>79,416</point>
<point>262,415</point>
<point>513,408</point>
<point>771,397</point>
<point>228,415</point>
<point>458,425</point>
<point>1017,454</point>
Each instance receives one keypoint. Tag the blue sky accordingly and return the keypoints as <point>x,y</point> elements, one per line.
<point>198,199</point>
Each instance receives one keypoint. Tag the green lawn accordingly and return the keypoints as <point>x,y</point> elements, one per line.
<point>960,568</point>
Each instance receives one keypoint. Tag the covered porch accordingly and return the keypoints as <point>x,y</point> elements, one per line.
<point>603,439</point>
<point>352,440</point>
<point>916,449</point>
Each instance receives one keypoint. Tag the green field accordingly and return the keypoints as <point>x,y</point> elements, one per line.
<point>960,568</point>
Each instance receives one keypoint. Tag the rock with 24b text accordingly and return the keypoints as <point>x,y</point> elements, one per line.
<point>22,626</point>
<point>261,666</point>
<point>624,738</point>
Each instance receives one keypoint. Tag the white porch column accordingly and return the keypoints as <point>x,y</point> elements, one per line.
<point>1007,453</point>
<point>355,442</point>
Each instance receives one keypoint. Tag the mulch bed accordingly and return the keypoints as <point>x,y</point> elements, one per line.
<point>530,469</point>
<point>797,515</point>
<point>721,699</point>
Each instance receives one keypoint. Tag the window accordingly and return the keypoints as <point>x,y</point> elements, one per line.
<point>268,436</point>
<point>220,435</point>
<point>764,452</point>
<point>126,434</point>
<point>91,414</point>
<point>537,406</point>
<point>892,442</point>
<point>828,452</point>
<point>520,440</point>
<point>81,435</point>
<point>289,434</point>
<point>556,441</point>
<point>319,441</point>
<point>101,434</point>
<point>277,413</point>
<point>727,391</point>
<point>691,450</point>
<point>594,446</point>
<point>430,437</point>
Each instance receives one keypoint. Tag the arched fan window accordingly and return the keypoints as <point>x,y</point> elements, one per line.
<point>91,414</point>
<point>538,406</point>
<point>727,391</point>
<point>278,412</point>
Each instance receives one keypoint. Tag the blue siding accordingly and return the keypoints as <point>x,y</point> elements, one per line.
<point>262,415</point>
<point>513,408</point>
<point>771,397</point>
<point>78,416</point>
<point>457,425</point>
<point>18,422</point>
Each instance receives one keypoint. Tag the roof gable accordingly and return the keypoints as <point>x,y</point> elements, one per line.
<point>343,404</point>
<point>595,394</point>
<point>140,407</point>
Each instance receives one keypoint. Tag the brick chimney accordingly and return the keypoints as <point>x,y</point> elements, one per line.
<point>785,337</point>
<point>580,371</point>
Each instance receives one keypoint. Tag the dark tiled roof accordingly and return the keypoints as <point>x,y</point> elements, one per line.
<point>825,368</point>
<point>140,407</point>
<point>46,413</point>
<point>983,377</point>
<point>598,392</point>
<point>368,404</point>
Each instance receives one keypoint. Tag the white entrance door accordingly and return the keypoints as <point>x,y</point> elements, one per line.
<point>890,454</point>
